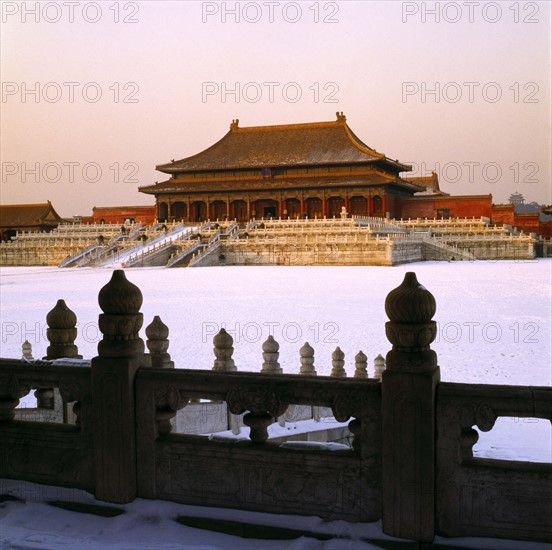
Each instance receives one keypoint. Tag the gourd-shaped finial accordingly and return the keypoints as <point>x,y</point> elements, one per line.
<point>61,332</point>
<point>338,362</point>
<point>157,334</point>
<point>121,320</point>
<point>410,302</point>
<point>361,365</point>
<point>119,296</point>
<point>306,357</point>
<point>410,308</point>
<point>223,349</point>
<point>270,356</point>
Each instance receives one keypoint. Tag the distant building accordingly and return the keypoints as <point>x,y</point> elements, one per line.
<point>300,170</point>
<point>311,170</point>
<point>516,198</point>
<point>531,216</point>
<point>294,170</point>
<point>430,184</point>
<point>122,214</point>
<point>447,206</point>
<point>27,217</point>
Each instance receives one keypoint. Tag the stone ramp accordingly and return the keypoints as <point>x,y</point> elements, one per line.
<point>208,256</point>
<point>133,254</point>
<point>183,258</point>
<point>72,261</point>
<point>435,250</point>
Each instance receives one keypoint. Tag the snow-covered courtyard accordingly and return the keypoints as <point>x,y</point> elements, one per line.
<point>494,318</point>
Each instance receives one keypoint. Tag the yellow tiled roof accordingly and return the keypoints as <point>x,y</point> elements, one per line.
<point>315,143</point>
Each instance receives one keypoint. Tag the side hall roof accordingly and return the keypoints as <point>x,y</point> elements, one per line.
<point>16,216</point>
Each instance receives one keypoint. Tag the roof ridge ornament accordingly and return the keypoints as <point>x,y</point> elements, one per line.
<point>340,117</point>
<point>235,124</point>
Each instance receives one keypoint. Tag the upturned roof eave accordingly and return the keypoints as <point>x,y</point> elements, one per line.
<point>408,185</point>
<point>148,189</point>
<point>399,165</point>
<point>168,168</point>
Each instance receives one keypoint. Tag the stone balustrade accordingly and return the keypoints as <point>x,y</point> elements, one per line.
<point>410,463</point>
<point>69,241</point>
<point>437,221</point>
<point>484,495</point>
<point>482,241</point>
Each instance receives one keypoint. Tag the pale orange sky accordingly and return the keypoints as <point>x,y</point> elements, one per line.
<point>373,61</point>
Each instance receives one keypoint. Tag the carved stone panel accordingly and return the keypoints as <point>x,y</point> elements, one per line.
<point>272,480</point>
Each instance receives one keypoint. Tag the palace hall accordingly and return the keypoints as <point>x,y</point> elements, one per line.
<point>293,170</point>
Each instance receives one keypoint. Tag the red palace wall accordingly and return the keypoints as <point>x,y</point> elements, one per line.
<point>545,230</point>
<point>526,222</point>
<point>118,214</point>
<point>463,206</point>
<point>503,214</point>
<point>473,206</point>
<point>529,223</point>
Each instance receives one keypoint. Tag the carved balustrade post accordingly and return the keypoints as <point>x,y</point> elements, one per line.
<point>27,351</point>
<point>306,357</point>
<point>379,366</point>
<point>61,333</point>
<point>408,413</point>
<point>270,356</point>
<point>157,342</point>
<point>361,365</point>
<point>120,355</point>
<point>223,350</point>
<point>271,364</point>
<point>338,362</point>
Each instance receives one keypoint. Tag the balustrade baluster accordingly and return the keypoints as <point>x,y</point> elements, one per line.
<point>338,362</point>
<point>306,355</point>
<point>361,365</point>
<point>223,351</point>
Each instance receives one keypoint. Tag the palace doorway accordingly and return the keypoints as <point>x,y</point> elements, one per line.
<point>314,207</point>
<point>334,206</point>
